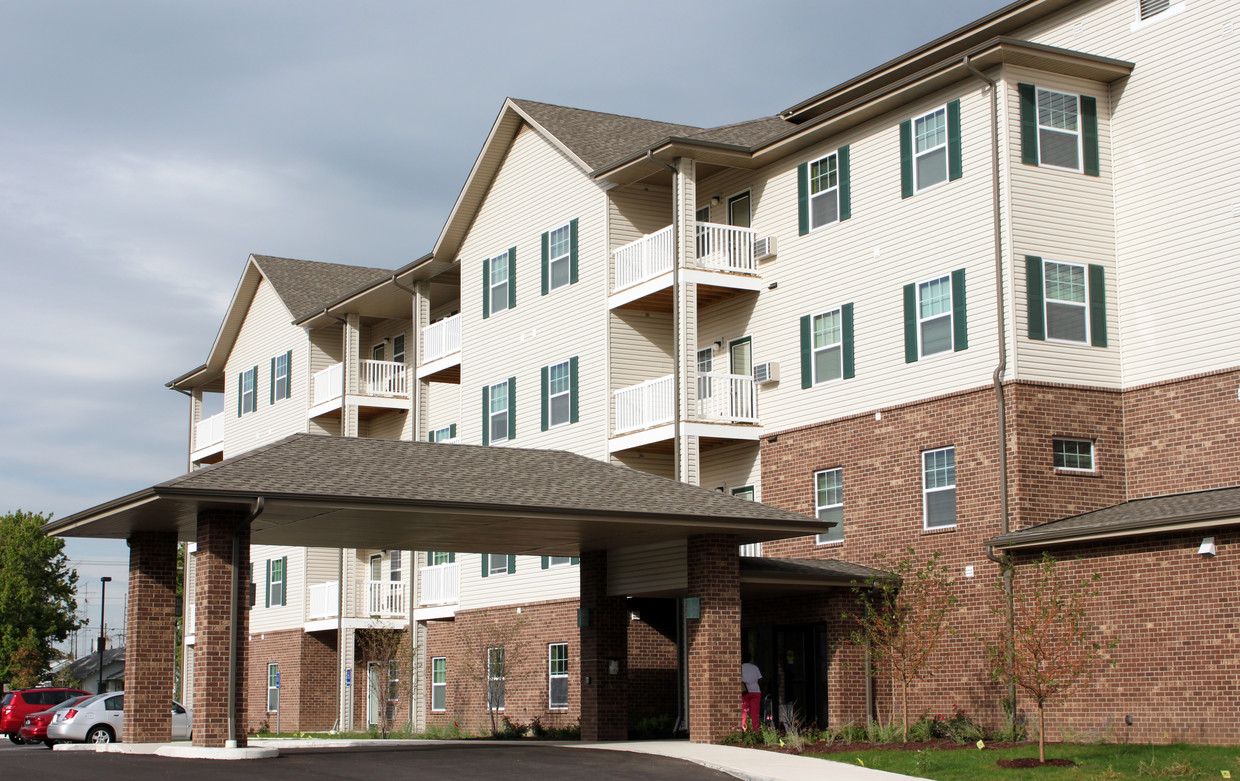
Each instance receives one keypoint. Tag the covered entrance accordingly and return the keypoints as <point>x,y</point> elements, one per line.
<point>793,661</point>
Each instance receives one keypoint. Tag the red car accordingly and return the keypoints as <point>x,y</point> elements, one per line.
<point>34,727</point>
<point>17,705</point>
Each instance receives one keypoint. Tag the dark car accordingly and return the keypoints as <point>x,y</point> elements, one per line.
<point>17,705</point>
<point>34,727</point>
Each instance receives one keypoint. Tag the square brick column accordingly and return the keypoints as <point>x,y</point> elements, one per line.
<point>211,598</point>
<point>604,692</point>
<point>715,638</point>
<point>150,637</point>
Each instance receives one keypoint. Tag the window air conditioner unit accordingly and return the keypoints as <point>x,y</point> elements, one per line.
<point>764,248</point>
<point>766,372</point>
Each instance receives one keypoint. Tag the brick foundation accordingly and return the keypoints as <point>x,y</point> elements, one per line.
<point>150,637</point>
<point>212,586</point>
<point>307,664</point>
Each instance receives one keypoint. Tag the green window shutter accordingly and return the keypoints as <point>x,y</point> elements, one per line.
<point>1097,306</point>
<point>512,408</point>
<point>240,391</point>
<point>572,392</point>
<point>546,390</point>
<point>574,560</point>
<point>512,277</point>
<point>486,565</point>
<point>803,197</point>
<point>1089,131</point>
<point>906,158</point>
<point>451,558</point>
<point>512,563</point>
<point>546,272</point>
<point>271,386</point>
<point>845,185</point>
<point>807,367</point>
<point>846,315</point>
<point>572,258</point>
<point>486,414</point>
<point>284,574</point>
<point>1028,124</point>
<point>955,158</point>
<point>960,324</point>
<point>431,436</point>
<point>910,323</point>
<point>288,366</point>
<point>1033,297</point>
<point>267,586</point>
<point>486,289</point>
<point>546,562</point>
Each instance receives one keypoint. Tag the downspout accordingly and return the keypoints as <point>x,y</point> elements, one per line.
<point>675,314</point>
<point>259,503</point>
<point>1000,368</point>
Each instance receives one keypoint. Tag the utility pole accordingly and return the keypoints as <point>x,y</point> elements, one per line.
<point>103,638</point>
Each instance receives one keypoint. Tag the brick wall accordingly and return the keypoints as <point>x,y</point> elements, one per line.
<point>150,637</point>
<point>212,585</point>
<point>714,647</point>
<point>652,665</point>
<point>307,665</point>
<point>367,651</point>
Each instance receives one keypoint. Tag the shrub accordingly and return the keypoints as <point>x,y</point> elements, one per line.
<point>653,728</point>
<point>512,729</point>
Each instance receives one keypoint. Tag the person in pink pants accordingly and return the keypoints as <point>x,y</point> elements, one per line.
<point>751,685</point>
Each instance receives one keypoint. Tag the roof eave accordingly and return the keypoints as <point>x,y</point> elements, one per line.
<point>1031,539</point>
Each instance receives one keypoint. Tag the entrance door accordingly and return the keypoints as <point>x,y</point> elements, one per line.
<point>740,393</point>
<point>373,693</point>
<point>793,661</point>
<point>738,210</point>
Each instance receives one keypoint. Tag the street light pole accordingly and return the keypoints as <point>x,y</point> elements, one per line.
<point>103,592</point>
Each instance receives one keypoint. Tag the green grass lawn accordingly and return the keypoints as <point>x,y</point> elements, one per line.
<point>1108,761</point>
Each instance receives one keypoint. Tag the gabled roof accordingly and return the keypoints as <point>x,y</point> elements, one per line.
<point>751,133</point>
<point>597,138</point>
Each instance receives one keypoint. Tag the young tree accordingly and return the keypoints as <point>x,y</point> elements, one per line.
<point>37,602</point>
<point>902,618</point>
<point>494,652</point>
<point>390,651</point>
<point>1051,646</point>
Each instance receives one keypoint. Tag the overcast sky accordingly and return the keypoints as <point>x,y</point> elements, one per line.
<point>146,148</point>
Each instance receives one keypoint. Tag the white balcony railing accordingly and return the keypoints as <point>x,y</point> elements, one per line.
<point>728,397</point>
<point>384,378</point>
<point>329,383</point>
<point>441,339</point>
<point>726,247</point>
<point>643,405</point>
<point>384,598</point>
<point>209,432</point>
<point>324,601</point>
<point>644,259</point>
<point>751,549</point>
<point>441,584</point>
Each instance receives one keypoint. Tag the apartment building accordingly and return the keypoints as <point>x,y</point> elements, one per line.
<point>975,301</point>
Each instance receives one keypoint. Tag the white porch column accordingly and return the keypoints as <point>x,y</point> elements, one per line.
<point>685,199</point>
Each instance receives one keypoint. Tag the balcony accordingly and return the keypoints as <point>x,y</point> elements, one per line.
<point>208,439</point>
<point>723,264</point>
<point>383,598</point>
<point>441,348</point>
<point>381,385</point>
<point>644,405</point>
<point>441,584</point>
<point>324,601</point>
<point>727,409</point>
<point>731,398</point>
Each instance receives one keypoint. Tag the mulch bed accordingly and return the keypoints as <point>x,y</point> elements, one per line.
<point>942,744</point>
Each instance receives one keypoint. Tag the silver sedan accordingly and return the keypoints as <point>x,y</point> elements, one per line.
<point>100,720</point>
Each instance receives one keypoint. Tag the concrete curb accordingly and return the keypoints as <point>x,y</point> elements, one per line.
<point>175,750</point>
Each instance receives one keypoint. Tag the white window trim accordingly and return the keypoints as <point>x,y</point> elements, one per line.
<point>946,145</point>
<point>1046,300</point>
<point>492,413</point>
<point>1093,455</point>
<point>809,185</point>
<point>813,351</point>
<point>567,393</point>
<point>502,261</point>
<point>491,570</point>
<point>746,193</point>
<point>379,352</point>
<point>435,684</point>
<point>925,492</point>
<point>282,580</point>
<point>552,675</point>
<point>446,431</point>
<point>1175,9</point>
<point>370,566</point>
<point>393,676</point>
<point>950,315</point>
<point>402,354</point>
<point>270,688</point>
<point>282,358</point>
<point>552,563</point>
<point>567,257</point>
<point>395,556</point>
<point>1079,132</point>
<point>250,376</point>
<point>818,540</point>
<point>491,677</point>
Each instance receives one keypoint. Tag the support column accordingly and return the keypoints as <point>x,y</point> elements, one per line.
<point>604,654</point>
<point>714,638</point>
<point>213,599</point>
<point>352,373</point>
<point>685,198</point>
<point>150,637</point>
<point>421,388</point>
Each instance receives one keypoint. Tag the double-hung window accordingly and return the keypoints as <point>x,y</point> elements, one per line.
<point>824,190</point>
<point>247,391</point>
<point>1066,308</point>
<point>281,384</point>
<point>1059,130</point>
<point>445,434</point>
<point>496,678</point>
<point>499,286</point>
<point>499,407</point>
<point>829,502</point>
<point>557,675</point>
<point>828,347</point>
<point>435,558</point>
<point>1066,301</point>
<point>398,348</point>
<point>277,582</point>
<point>393,684</point>
<point>934,317</point>
<point>396,566</point>
<point>439,683</point>
<point>559,257</point>
<point>1076,455</point>
<point>498,564</point>
<point>273,688</point>
<point>559,394</point>
<point>499,283</point>
<point>938,487</point>
<point>930,150</point>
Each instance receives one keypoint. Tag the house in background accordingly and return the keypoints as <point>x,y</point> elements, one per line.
<point>83,672</point>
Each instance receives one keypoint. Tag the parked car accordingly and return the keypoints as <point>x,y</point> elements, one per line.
<point>16,705</point>
<point>100,719</point>
<point>34,727</point>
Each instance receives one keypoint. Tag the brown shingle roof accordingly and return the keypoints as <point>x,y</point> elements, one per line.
<point>599,138</point>
<point>750,133</point>
<point>824,569</point>
<point>307,286</point>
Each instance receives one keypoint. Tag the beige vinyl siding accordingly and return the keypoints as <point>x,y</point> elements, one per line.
<point>633,212</point>
<point>537,190</point>
<point>530,583</point>
<point>647,569</point>
<point>290,615</point>
<point>732,467</point>
<point>326,348</point>
<point>640,349</point>
<point>652,463</point>
<point>444,406</point>
<point>324,425</point>
<point>390,425</point>
<point>322,565</point>
<point>266,332</point>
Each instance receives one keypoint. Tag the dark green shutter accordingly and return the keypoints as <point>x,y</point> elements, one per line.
<point>284,585</point>
<point>845,185</point>
<point>288,368</point>
<point>1097,306</point>
<point>1033,297</point>
<point>431,436</point>
<point>846,316</point>
<point>486,565</point>
<point>960,324</point>
<point>572,260</point>
<point>955,163</point>
<point>574,560</point>
<point>546,401</point>
<point>1028,124</point>
<point>486,414</point>
<point>512,408</point>
<point>1089,130</point>
<point>546,260</point>
<point>546,562</point>
<point>267,586</point>
<point>452,431</point>
<point>486,289</point>
<point>512,563</point>
<point>910,323</point>
<point>240,391</point>
<point>451,556</point>
<point>803,197</point>
<point>272,385</point>
<point>807,366</point>
<point>572,392</point>
<point>512,277</point>
<point>906,158</point>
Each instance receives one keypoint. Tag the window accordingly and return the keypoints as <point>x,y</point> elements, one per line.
<point>500,291</point>
<point>1074,454</point>
<point>435,558</point>
<point>273,688</point>
<point>939,487</point>
<point>559,561</point>
<point>1066,301</point>
<point>280,376</point>
<point>559,257</point>
<point>559,394</point>
<point>824,191</point>
<point>1152,7</point>
<point>376,566</point>
<point>557,674</point>
<point>439,683</point>
<point>499,406</point>
<point>396,561</point>
<point>496,678</point>
<point>393,687</point>
<point>829,502</point>
<point>444,434</point>
<point>498,564</point>
<point>277,577</point>
<point>739,210</point>
<point>398,348</point>
<point>827,346</point>
<point>745,492</point>
<point>930,152</point>
<point>934,317</point>
<point>705,366</point>
<point>247,384</point>
<point>377,352</point>
<point>1058,130</point>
